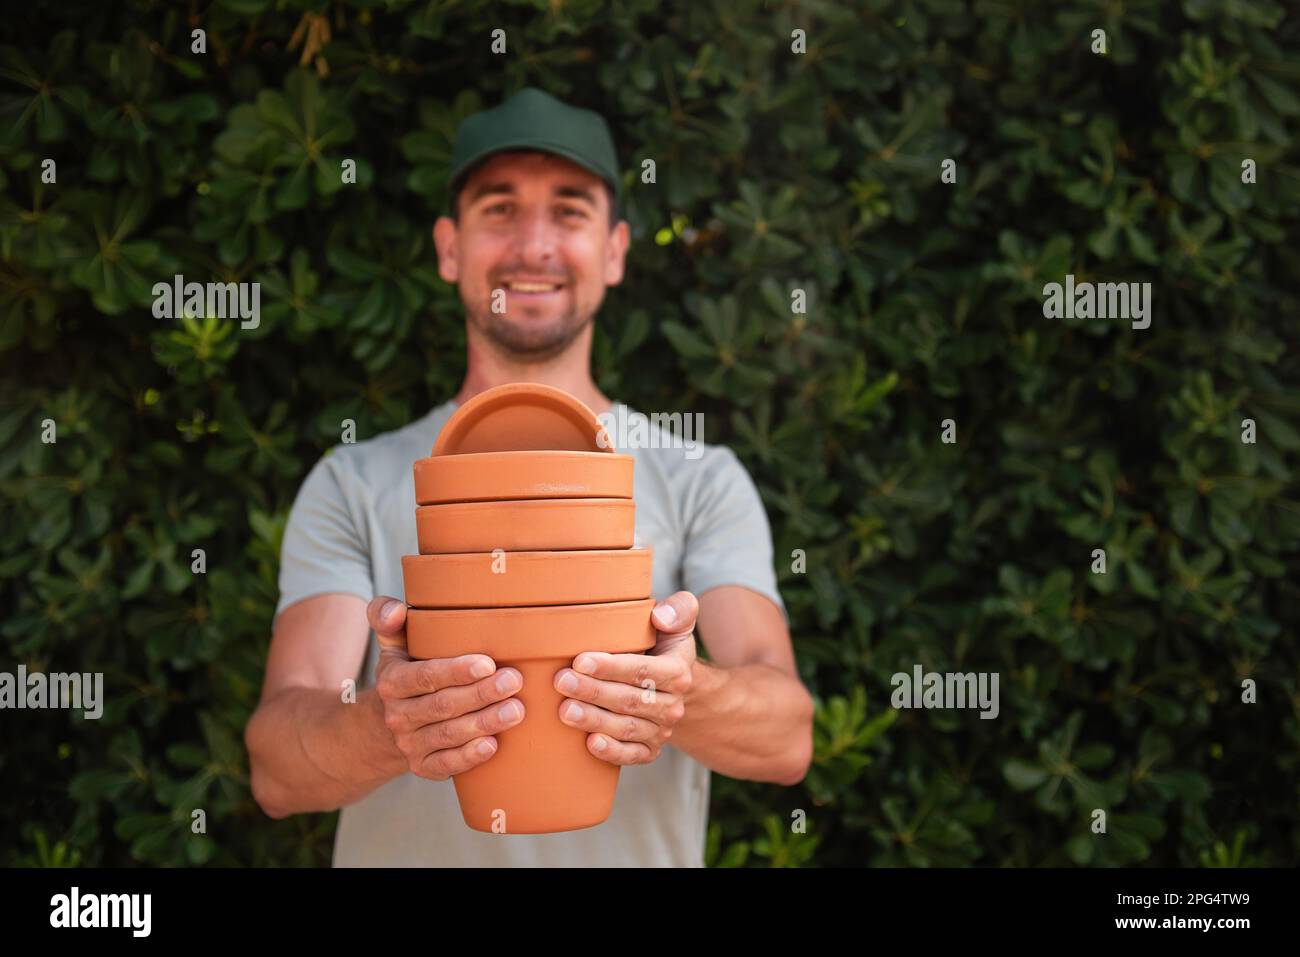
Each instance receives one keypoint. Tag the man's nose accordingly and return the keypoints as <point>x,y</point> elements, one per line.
<point>535,237</point>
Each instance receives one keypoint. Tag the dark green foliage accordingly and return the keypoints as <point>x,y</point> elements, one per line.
<point>775,171</point>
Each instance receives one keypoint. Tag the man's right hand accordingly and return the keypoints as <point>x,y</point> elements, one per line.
<point>443,712</point>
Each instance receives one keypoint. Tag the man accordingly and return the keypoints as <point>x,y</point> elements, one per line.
<point>534,220</point>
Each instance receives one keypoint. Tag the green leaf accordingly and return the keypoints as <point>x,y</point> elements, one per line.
<point>686,342</point>
<point>1022,775</point>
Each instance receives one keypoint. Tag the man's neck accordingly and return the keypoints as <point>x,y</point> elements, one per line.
<point>570,371</point>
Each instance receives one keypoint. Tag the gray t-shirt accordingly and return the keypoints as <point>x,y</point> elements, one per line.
<point>354,519</point>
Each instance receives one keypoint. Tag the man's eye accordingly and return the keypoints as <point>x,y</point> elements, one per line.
<point>505,207</point>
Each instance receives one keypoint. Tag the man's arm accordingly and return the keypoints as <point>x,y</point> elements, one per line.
<point>747,714</point>
<point>308,750</point>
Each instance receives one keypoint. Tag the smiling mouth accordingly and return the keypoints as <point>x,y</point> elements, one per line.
<point>534,298</point>
<point>534,288</point>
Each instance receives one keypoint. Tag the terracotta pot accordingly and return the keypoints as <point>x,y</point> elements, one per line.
<point>502,476</point>
<point>512,579</point>
<point>530,525</point>
<point>542,778</point>
<point>522,415</point>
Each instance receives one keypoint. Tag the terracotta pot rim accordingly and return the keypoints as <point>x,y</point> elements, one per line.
<point>523,633</point>
<point>520,611</point>
<point>515,525</point>
<point>511,398</point>
<point>535,504</point>
<point>585,576</point>
<point>552,554</point>
<point>522,474</point>
<point>522,454</point>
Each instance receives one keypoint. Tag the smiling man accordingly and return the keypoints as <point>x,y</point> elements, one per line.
<point>533,239</point>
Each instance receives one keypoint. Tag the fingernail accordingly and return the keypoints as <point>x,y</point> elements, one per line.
<point>569,682</point>
<point>586,664</point>
<point>667,614</point>
<point>573,712</point>
<point>485,748</point>
<point>389,606</point>
<point>481,668</point>
<point>508,711</point>
<point>599,743</point>
<point>508,681</point>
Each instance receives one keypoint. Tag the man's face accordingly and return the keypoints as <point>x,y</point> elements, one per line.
<point>533,240</point>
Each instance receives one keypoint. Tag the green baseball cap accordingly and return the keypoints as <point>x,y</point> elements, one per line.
<point>532,119</point>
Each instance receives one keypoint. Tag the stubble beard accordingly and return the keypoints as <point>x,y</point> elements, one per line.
<point>525,340</point>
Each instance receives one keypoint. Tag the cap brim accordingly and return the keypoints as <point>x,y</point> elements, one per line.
<point>531,145</point>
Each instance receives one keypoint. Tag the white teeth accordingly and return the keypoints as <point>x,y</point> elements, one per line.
<point>532,287</point>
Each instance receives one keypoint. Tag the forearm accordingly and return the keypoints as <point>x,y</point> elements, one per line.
<point>750,721</point>
<point>310,751</point>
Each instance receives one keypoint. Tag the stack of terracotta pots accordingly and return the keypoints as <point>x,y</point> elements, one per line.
<point>525,520</point>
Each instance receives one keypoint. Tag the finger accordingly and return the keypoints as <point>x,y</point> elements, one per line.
<point>457,731</point>
<point>409,714</point>
<point>676,614</point>
<point>619,752</point>
<point>621,727</point>
<point>387,617</point>
<point>406,679</point>
<point>441,765</point>
<point>656,673</point>
<point>652,702</point>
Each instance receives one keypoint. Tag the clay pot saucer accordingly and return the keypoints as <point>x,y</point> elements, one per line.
<point>542,778</point>
<point>502,476</point>
<point>510,579</point>
<point>522,415</point>
<point>528,525</point>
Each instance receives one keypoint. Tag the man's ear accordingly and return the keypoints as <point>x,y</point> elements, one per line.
<point>444,243</point>
<point>616,253</point>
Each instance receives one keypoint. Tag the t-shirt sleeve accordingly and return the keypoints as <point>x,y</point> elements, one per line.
<point>324,547</point>
<point>728,539</point>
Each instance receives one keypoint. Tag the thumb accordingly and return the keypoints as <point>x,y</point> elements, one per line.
<point>387,617</point>
<point>676,614</point>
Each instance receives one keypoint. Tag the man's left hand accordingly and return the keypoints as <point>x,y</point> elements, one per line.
<point>629,704</point>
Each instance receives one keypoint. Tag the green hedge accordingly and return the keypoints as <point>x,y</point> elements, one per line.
<point>775,171</point>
